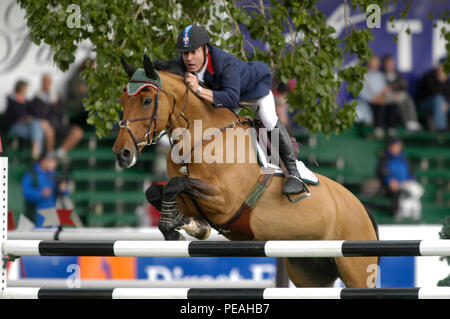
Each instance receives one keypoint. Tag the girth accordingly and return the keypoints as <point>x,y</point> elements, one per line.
<point>239,224</point>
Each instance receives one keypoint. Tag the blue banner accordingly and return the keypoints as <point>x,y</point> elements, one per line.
<point>416,52</point>
<point>204,268</point>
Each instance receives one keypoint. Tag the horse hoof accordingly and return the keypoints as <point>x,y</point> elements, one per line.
<point>174,235</point>
<point>180,236</point>
<point>197,228</point>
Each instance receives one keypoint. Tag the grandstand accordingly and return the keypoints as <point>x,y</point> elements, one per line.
<point>105,195</point>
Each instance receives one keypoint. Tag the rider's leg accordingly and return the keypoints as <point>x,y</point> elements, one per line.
<point>268,116</point>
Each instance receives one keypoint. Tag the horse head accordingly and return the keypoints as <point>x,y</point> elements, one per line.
<point>145,112</point>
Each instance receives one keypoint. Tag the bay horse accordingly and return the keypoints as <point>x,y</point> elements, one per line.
<point>200,194</point>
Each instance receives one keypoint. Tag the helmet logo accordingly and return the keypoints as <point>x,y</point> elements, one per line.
<point>186,36</point>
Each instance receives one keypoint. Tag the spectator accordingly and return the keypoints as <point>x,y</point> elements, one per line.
<point>399,95</point>
<point>434,96</point>
<point>281,106</point>
<point>47,105</point>
<point>75,93</point>
<point>19,121</point>
<point>397,176</point>
<point>42,186</point>
<point>373,97</point>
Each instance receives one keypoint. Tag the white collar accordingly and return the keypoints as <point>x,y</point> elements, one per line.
<point>201,73</point>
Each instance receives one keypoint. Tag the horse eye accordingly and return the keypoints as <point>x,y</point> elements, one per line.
<point>148,101</point>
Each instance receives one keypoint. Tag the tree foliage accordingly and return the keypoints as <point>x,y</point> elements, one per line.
<point>313,55</point>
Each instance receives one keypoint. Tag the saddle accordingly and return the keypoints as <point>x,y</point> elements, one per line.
<point>264,148</point>
<point>239,225</point>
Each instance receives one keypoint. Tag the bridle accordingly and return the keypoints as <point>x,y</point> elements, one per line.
<point>150,136</point>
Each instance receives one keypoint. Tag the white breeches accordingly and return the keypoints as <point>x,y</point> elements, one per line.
<point>265,111</point>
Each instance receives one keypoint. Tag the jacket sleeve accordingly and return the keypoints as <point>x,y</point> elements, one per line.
<point>431,84</point>
<point>30,193</point>
<point>383,172</point>
<point>388,177</point>
<point>38,108</point>
<point>228,95</point>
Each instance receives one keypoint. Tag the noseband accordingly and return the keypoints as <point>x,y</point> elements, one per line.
<point>148,137</point>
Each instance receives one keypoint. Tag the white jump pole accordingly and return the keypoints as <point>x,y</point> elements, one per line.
<point>3,220</point>
<point>277,248</point>
<point>93,234</point>
<point>140,283</point>
<point>226,293</point>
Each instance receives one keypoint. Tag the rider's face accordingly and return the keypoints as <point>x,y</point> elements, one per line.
<point>194,59</point>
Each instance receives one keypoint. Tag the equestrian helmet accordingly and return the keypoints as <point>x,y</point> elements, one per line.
<point>192,37</point>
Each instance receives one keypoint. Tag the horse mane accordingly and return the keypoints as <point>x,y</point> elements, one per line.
<point>171,66</point>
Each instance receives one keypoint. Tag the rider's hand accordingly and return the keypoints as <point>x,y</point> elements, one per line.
<point>63,187</point>
<point>394,185</point>
<point>192,81</point>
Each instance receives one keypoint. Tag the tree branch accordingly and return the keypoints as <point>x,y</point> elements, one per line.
<point>237,30</point>
<point>141,7</point>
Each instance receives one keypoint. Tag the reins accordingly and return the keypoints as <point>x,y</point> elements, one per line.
<point>149,137</point>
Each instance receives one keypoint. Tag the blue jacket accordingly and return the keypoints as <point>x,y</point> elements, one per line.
<point>396,167</point>
<point>233,80</point>
<point>32,194</point>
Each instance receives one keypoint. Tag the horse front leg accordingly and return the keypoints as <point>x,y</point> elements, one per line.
<point>164,199</point>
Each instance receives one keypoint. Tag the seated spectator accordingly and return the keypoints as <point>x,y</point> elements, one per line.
<point>75,93</point>
<point>373,97</point>
<point>47,105</point>
<point>397,176</point>
<point>399,95</point>
<point>42,186</point>
<point>434,96</point>
<point>19,121</point>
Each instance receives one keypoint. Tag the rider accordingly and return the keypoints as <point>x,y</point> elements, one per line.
<point>228,80</point>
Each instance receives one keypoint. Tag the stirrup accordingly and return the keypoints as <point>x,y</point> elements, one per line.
<point>305,187</point>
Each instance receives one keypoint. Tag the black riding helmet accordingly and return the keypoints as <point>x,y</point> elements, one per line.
<point>192,37</point>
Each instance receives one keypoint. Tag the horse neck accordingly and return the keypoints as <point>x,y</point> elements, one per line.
<point>194,108</point>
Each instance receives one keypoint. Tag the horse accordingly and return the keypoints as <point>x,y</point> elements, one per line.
<point>200,194</point>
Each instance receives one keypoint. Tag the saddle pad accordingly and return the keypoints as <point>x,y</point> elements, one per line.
<point>307,176</point>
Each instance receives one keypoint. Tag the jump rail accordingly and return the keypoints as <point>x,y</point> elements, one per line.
<point>213,293</point>
<point>17,248</point>
<point>282,248</point>
<point>94,234</point>
<point>140,283</point>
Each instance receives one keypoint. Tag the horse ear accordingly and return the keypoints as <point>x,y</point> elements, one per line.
<point>128,67</point>
<point>148,67</point>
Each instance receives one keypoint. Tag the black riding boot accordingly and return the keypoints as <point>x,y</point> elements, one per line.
<point>293,183</point>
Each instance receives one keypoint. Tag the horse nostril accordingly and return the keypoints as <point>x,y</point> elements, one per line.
<point>125,154</point>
